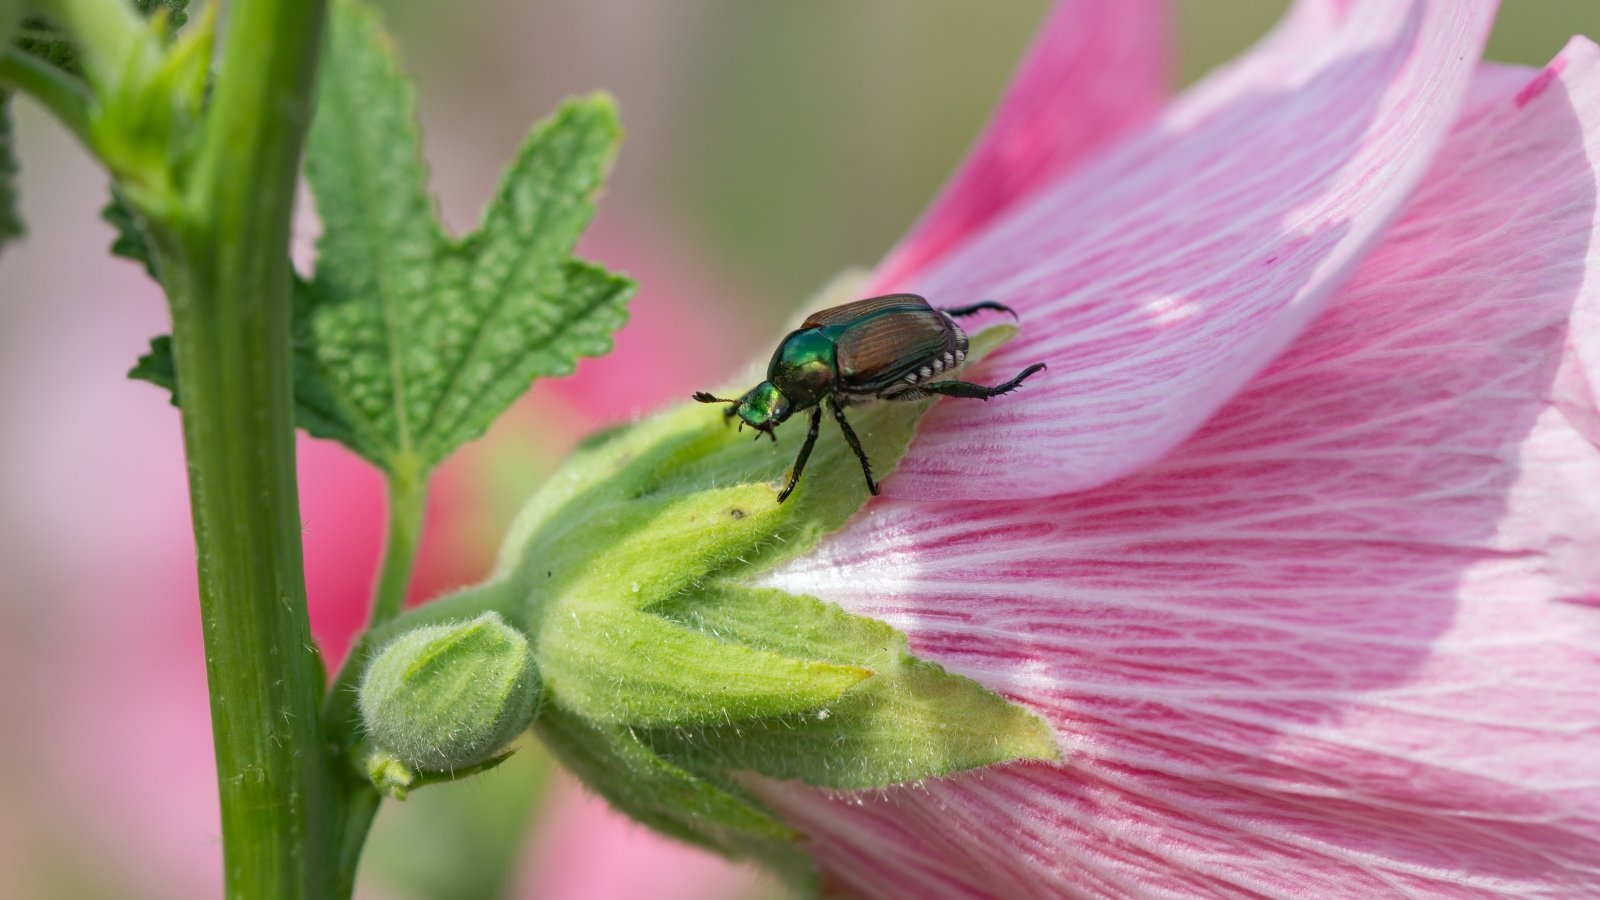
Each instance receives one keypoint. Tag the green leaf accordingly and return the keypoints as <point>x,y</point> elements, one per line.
<point>409,343</point>
<point>419,341</point>
<point>37,36</point>
<point>10,218</point>
<point>157,366</point>
<point>130,242</point>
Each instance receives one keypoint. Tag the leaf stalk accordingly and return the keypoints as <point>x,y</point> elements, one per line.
<point>408,505</point>
<point>65,97</point>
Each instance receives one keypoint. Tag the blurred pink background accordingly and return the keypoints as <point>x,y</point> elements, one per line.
<point>769,146</point>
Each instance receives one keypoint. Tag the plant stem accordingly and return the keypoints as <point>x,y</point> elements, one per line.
<point>408,505</point>
<point>51,88</point>
<point>360,806</point>
<point>225,263</point>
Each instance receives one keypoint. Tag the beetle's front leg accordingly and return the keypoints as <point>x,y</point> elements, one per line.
<point>855,444</point>
<point>805,453</point>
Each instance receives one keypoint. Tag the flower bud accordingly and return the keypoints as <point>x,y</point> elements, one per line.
<point>447,697</point>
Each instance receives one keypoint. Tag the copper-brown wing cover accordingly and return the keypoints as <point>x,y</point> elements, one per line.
<point>880,340</point>
<point>849,312</point>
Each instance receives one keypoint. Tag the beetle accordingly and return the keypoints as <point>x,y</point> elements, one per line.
<point>880,348</point>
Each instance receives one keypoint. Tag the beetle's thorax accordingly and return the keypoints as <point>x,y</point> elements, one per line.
<point>804,367</point>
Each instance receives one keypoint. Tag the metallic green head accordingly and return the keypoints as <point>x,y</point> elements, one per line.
<point>764,407</point>
<point>801,374</point>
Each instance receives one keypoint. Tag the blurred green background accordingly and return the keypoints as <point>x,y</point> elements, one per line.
<point>769,146</point>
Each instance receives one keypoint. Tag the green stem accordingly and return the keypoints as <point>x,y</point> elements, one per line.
<point>52,88</point>
<point>225,263</point>
<point>360,807</point>
<point>408,504</point>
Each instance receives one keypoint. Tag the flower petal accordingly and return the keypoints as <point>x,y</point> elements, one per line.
<point>1343,642</point>
<point>1157,279</point>
<point>1095,71</point>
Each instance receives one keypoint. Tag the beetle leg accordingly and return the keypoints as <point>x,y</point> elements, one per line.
<point>960,311</point>
<point>968,389</point>
<point>805,453</point>
<point>855,443</point>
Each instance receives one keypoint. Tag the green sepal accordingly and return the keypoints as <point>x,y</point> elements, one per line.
<point>911,720</point>
<point>605,656</point>
<point>711,812</point>
<point>394,778</point>
<point>638,669</point>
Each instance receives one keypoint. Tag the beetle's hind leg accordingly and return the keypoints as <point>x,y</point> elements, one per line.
<point>855,442</point>
<point>805,454</point>
<point>960,311</point>
<point>963,388</point>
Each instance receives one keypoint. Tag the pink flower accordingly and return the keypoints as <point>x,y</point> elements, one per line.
<point>1297,543</point>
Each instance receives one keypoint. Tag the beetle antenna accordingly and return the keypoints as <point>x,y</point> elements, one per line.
<point>704,397</point>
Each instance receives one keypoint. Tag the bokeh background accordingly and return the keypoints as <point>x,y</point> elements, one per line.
<point>770,145</point>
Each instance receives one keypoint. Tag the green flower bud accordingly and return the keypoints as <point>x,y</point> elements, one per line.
<point>150,99</point>
<point>444,698</point>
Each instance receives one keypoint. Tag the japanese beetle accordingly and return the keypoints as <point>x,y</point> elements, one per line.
<point>881,348</point>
